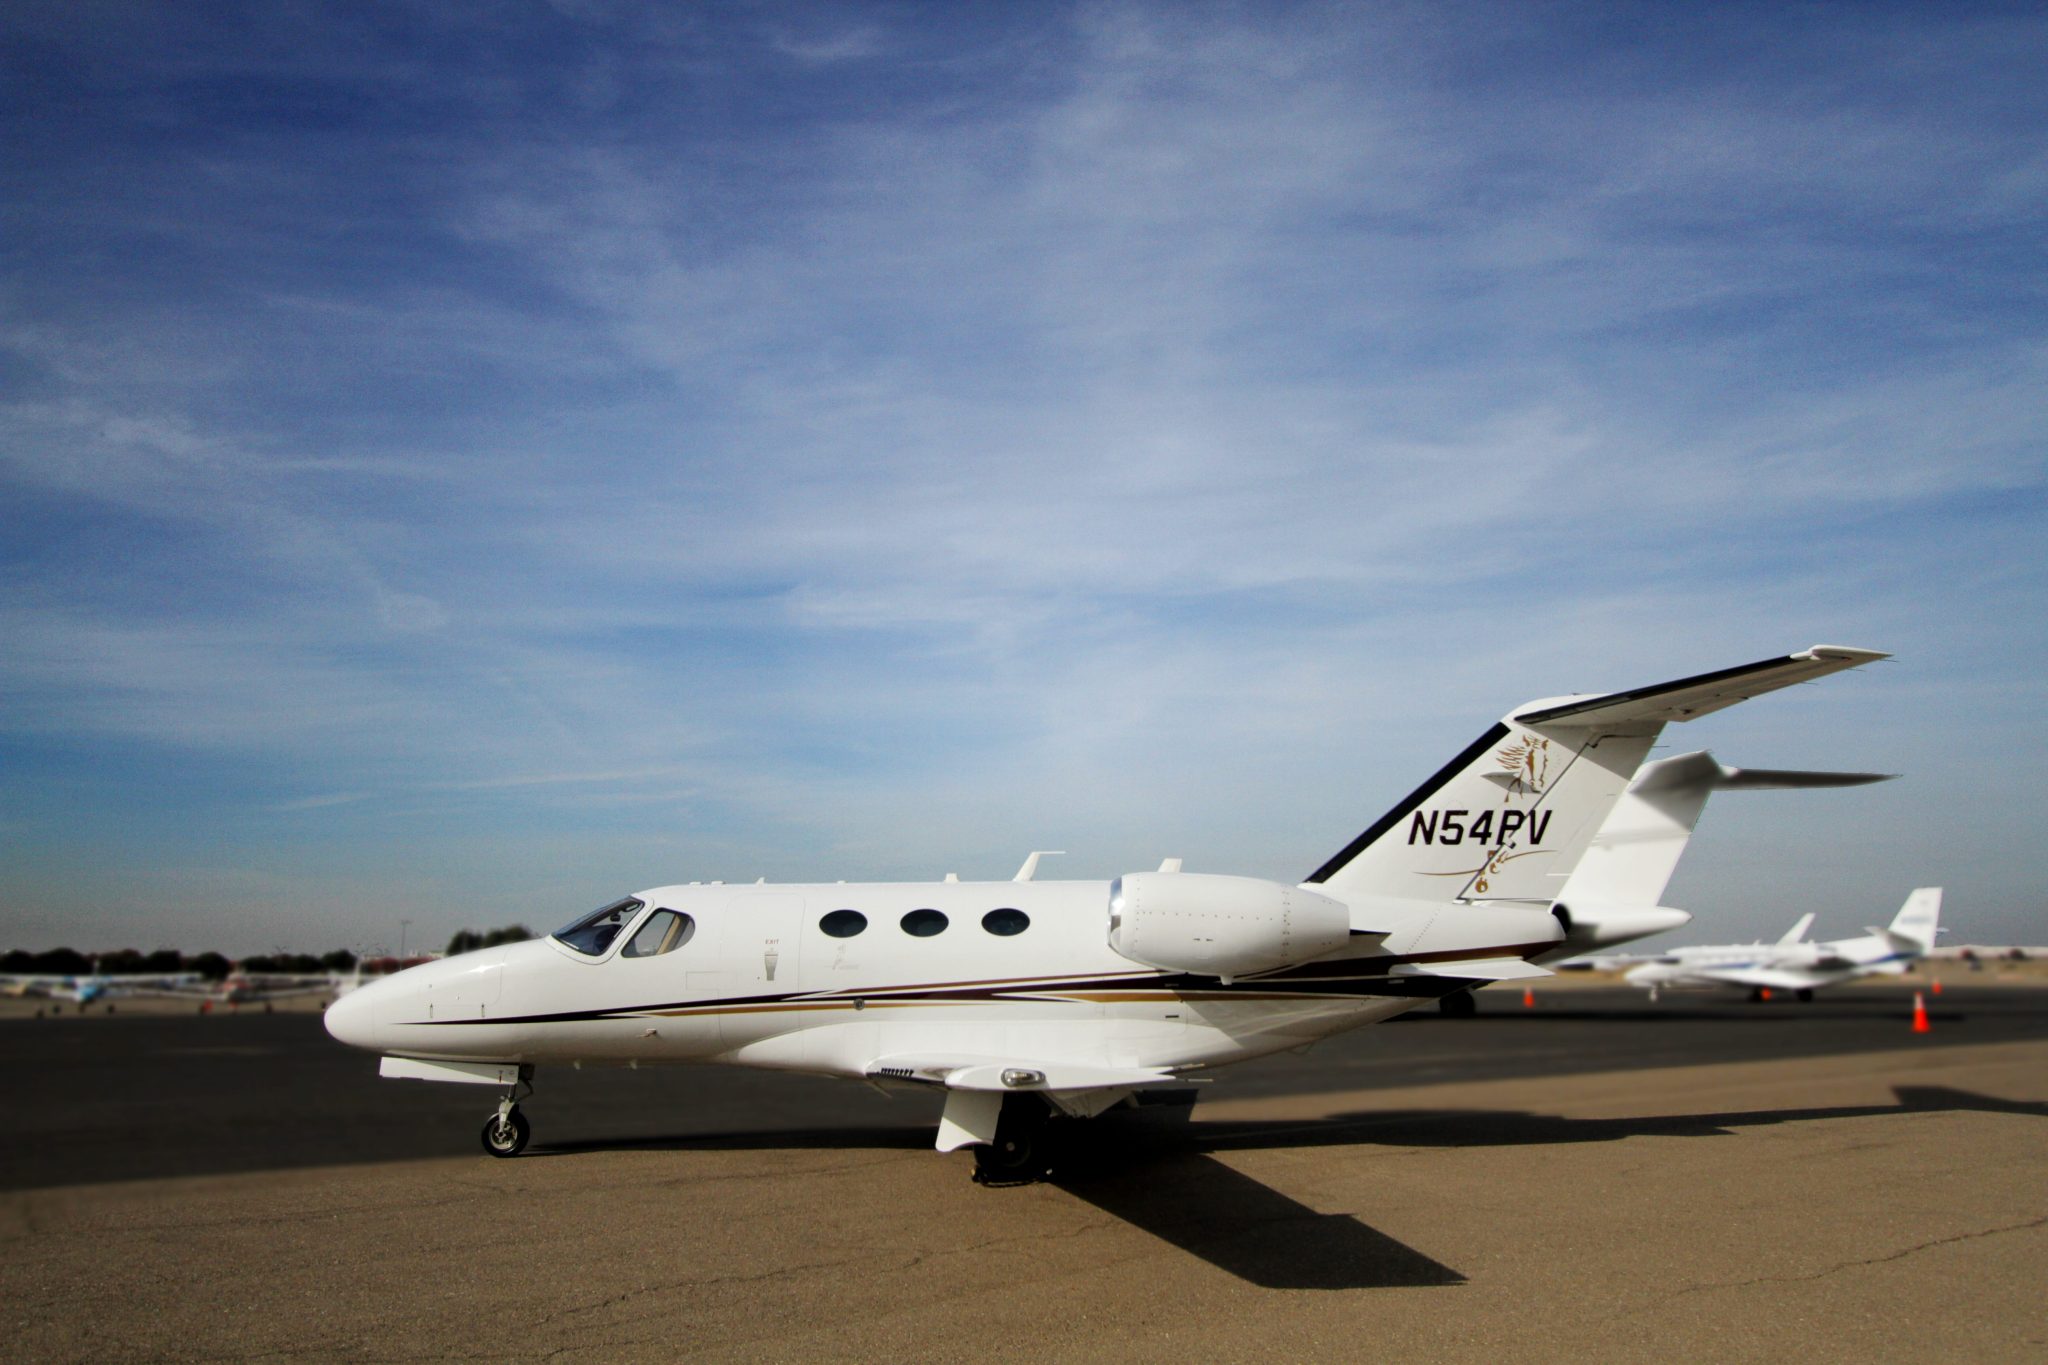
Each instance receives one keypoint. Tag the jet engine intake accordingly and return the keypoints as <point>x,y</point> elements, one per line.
<point>1220,926</point>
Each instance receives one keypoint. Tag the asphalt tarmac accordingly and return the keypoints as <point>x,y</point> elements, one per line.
<point>140,1096</point>
<point>1593,1177</point>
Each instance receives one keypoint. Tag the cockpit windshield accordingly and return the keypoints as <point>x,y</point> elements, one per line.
<point>594,932</point>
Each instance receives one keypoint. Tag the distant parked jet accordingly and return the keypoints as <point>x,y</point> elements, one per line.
<point>1617,890</point>
<point>1792,963</point>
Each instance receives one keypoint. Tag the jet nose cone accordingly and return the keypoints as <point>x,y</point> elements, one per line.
<point>352,1019</point>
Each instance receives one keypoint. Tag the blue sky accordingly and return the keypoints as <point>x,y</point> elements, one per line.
<point>461,462</point>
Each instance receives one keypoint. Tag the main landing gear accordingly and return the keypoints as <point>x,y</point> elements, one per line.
<point>1024,1148</point>
<point>506,1132</point>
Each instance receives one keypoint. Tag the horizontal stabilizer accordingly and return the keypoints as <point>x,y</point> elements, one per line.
<point>1475,969</point>
<point>1700,771</point>
<point>1703,694</point>
<point>1787,779</point>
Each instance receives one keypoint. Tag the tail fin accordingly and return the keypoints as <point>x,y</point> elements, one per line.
<point>1797,933</point>
<point>1510,817</point>
<point>1632,857</point>
<point>1918,920</point>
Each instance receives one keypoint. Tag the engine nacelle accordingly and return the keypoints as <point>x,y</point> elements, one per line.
<point>1221,926</point>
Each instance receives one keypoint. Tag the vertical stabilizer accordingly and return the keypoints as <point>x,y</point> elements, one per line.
<point>1918,920</point>
<point>1630,860</point>
<point>1510,817</point>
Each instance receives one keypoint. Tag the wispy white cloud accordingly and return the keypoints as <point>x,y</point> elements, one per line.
<point>325,801</point>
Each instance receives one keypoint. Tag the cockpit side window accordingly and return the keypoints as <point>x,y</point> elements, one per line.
<point>664,932</point>
<point>594,932</point>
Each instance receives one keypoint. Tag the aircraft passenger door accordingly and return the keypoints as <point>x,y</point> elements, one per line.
<point>758,947</point>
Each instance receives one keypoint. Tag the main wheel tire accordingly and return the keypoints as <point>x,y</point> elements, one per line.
<point>1021,1152</point>
<point>1458,1005</point>
<point>506,1136</point>
<point>1020,1161</point>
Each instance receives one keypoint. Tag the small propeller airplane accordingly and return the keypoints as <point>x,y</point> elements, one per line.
<point>1022,1001</point>
<point>237,988</point>
<point>92,987</point>
<point>1793,964</point>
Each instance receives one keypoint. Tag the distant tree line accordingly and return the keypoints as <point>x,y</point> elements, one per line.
<point>216,966</point>
<point>165,962</point>
<point>468,940</point>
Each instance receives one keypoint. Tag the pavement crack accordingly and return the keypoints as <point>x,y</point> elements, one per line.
<point>1840,1266</point>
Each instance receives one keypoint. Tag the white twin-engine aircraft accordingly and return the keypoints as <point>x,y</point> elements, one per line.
<point>1023,1000</point>
<point>1796,965</point>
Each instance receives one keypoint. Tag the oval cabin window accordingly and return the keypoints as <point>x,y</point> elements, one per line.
<point>924,923</point>
<point>843,923</point>
<point>1005,921</point>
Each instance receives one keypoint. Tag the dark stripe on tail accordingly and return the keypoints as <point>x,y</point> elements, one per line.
<point>1572,708</point>
<point>1408,804</point>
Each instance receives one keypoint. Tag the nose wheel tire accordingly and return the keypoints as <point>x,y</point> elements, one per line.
<point>506,1134</point>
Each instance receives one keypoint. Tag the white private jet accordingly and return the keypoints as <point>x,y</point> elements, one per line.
<point>1795,965</point>
<point>1023,1000</point>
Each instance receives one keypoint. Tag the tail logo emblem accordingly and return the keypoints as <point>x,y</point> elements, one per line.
<point>1527,762</point>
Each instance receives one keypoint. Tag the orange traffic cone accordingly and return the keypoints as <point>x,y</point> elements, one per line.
<point>1528,998</point>
<point>1767,992</point>
<point>1919,1014</point>
<point>1934,986</point>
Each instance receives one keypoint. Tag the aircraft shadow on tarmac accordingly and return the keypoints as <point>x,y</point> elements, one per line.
<point>1512,1128</point>
<point>1161,1176</point>
<point>1155,1183</point>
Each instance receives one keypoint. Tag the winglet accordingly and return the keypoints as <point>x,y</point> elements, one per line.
<point>1030,868</point>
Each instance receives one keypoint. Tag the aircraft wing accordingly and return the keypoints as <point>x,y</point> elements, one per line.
<point>976,1086</point>
<point>1768,977</point>
<point>1006,1074</point>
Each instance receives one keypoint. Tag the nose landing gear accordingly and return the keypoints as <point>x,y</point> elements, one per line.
<point>506,1132</point>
